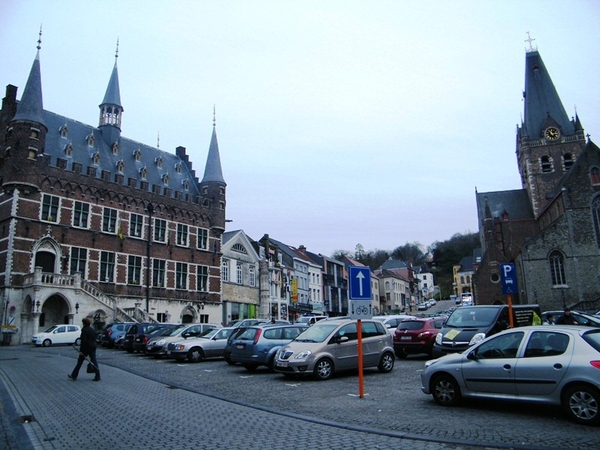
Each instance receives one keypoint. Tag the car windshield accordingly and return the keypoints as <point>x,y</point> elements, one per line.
<point>472,317</point>
<point>166,331</point>
<point>51,329</point>
<point>586,319</point>
<point>317,333</point>
<point>209,333</point>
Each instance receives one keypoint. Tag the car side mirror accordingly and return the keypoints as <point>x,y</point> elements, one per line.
<point>342,339</point>
<point>185,335</point>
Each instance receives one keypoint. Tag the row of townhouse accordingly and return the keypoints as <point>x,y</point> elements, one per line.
<point>270,279</point>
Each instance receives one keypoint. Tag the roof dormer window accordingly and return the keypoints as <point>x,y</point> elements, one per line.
<point>137,154</point>
<point>64,132</point>
<point>96,158</point>
<point>165,178</point>
<point>143,172</point>
<point>120,166</point>
<point>90,140</point>
<point>186,185</point>
<point>178,168</point>
<point>158,160</point>
<point>115,148</point>
<point>68,150</point>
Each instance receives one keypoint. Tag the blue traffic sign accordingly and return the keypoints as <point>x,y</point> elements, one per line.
<point>360,283</point>
<point>508,275</point>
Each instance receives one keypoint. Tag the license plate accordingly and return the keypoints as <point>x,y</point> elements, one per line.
<point>405,338</point>
<point>281,363</point>
<point>240,346</point>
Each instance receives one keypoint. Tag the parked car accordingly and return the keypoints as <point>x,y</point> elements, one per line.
<point>310,320</point>
<point>112,333</point>
<point>245,322</point>
<point>134,330</point>
<point>469,325</point>
<point>157,344</point>
<point>58,334</point>
<point>209,345</point>
<point>556,365</point>
<point>390,322</point>
<point>416,335</point>
<point>141,338</point>
<point>257,345</point>
<point>331,346</point>
<point>423,307</point>
<point>580,317</point>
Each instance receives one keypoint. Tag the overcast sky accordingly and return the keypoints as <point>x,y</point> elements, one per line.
<point>339,122</point>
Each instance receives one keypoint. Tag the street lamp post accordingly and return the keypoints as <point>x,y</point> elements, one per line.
<point>150,209</point>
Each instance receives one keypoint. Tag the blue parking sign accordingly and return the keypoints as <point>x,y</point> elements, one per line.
<point>508,276</point>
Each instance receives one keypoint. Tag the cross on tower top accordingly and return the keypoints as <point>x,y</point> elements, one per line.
<point>529,40</point>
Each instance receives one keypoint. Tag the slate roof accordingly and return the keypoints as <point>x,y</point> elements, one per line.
<point>31,105</point>
<point>213,171</point>
<point>541,99</point>
<point>514,202</point>
<point>393,264</point>
<point>113,93</point>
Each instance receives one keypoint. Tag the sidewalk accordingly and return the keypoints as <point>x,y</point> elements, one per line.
<point>124,410</point>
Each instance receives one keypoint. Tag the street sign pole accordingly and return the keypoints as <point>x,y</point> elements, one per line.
<point>359,296</point>
<point>361,379</point>
<point>509,287</point>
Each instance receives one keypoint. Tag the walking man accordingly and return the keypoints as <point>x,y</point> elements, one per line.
<point>88,348</point>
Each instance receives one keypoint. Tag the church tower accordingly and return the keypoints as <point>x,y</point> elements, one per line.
<point>111,110</point>
<point>548,142</point>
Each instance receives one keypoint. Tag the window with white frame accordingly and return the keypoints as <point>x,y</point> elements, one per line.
<point>225,270</point>
<point>107,267</point>
<point>158,273</point>
<point>202,277</point>
<point>252,276</point>
<point>78,260</point>
<point>182,234</point>
<point>134,269</point>
<point>81,212</point>
<point>136,224</point>
<point>239,273</point>
<point>109,220</point>
<point>202,238</point>
<point>50,204</point>
<point>181,275</point>
<point>160,230</point>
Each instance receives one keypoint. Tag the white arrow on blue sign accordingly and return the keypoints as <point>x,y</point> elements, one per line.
<point>360,283</point>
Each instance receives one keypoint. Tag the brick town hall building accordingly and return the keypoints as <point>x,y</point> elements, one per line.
<point>95,224</point>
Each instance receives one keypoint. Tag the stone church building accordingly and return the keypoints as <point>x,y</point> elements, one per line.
<point>550,228</point>
<point>95,224</point>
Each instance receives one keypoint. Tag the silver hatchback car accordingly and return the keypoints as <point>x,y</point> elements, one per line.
<point>556,365</point>
<point>331,346</point>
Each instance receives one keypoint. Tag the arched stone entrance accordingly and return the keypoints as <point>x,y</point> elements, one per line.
<point>188,315</point>
<point>55,310</point>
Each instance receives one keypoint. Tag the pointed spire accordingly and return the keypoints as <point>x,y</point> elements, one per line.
<point>113,93</point>
<point>31,107</point>
<point>541,99</point>
<point>212,171</point>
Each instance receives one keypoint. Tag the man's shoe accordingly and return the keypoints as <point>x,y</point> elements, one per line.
<point>97,379</point>
<point>72,378</point>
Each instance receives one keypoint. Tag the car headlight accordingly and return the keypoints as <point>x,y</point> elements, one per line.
<point>303,355</point>
<point>438,339</point>
<point>477,339</point>
<point>161,342</point>
<point>180,347</point>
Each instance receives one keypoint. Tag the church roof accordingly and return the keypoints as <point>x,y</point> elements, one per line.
<point>541,99</point>
<point>514,202</point>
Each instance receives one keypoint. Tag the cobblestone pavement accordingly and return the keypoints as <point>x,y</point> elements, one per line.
<point>42,409</point>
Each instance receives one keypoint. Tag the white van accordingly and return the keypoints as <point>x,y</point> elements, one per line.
<point>310,320</point>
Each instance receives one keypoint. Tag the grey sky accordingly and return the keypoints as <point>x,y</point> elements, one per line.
<point>339,122</point>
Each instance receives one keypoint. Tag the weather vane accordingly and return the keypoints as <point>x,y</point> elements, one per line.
<point>39,42</point>
<point>117,50</point>
<point>214,116</point>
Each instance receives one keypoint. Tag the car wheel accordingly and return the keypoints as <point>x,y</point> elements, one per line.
<point>78,341</point>
<point>47,343</point>
<point>229,361</point>
<point>445,390</point>
<point>386,364</point>
<point>195,355</point>
<point>129,350</point>
<point>250,367</point>
<point>324,369</point>
<point>582,404</point>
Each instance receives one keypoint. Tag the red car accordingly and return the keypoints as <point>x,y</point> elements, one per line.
<point>417,335</point>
